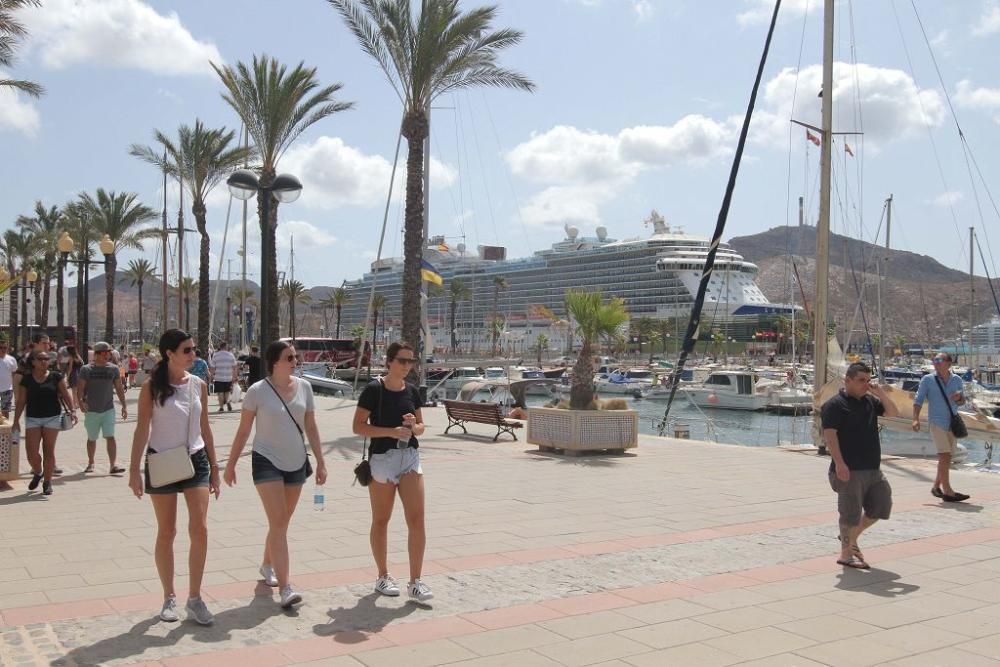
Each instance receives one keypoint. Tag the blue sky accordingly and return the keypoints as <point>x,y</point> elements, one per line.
<point>638,106</point>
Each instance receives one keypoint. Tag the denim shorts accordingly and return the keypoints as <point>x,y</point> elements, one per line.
<point>54,423</point>
<point>389,467</point>
<point>202,468</point>
<point>265,471</point>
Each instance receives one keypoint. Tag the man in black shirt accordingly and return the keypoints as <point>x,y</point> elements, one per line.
<point>254,365</point>
<point>850,430</point>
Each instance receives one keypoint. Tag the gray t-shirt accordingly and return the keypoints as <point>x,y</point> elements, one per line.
<point>100,396</point>
<point>275,436</point>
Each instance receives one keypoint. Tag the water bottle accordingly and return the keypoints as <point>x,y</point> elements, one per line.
<point>319,499</point>
<point>15,436</point>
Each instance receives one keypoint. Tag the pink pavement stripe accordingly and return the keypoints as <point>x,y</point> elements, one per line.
<point>506,617</point>
<point>657,592</point>
<point>131,603</point>
<point>256,656</point>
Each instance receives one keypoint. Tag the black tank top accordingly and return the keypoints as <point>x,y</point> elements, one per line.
<point>42,398</point>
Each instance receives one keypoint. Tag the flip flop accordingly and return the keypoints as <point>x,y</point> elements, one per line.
<point>854,562</point>
<point>857,552</point>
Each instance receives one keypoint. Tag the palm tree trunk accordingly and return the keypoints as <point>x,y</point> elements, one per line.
<point>581,392</point>
<point>415,130</point>
<point>142,331</point>
<point>81,335</point>
<point>60,306</point>
<point>269,328</point>
<point>338,320</point>
<point>374,339</point>
<point>496,307</point>
<point>47,291</point>
<point>187,312</point>
<point>203,276</point>
<point>109,289</point>
<point>36,290</point>
<point>451,324</point>
<point>13,317</point>
<point>24,312</point>
<point>291,317</point>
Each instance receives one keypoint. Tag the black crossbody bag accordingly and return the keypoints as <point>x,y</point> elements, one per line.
<point>957,426</point>
<point>363,471</point>
<point>309,468</point>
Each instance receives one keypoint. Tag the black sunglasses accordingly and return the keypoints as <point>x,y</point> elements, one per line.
<point>405,360</point>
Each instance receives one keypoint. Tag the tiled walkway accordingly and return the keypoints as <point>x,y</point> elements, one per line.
<point>685,553</point>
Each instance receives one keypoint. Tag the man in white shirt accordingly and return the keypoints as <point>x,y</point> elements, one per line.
<point>223,367</point>
<point>8,364</point>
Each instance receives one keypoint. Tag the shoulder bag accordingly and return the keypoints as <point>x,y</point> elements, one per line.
<point>363,471</point>
<point>174,464</point>
<point>309,468</point>
<point>957,426</point>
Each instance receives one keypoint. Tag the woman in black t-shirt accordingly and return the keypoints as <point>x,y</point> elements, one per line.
<point>42,395</point>
<point>388,412</point>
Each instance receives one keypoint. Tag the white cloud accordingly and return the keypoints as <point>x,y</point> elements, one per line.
<point>761,10</point>
<point>567,204</point>
<point>334,174</point>
<point>889,100</point>
<point>984,99</point>
<point>566,155</point>
<point>17,112</point>
<point>643,9</point>
<point>693,138</point>
<point>989,22</point>
<point>307,235</point>
<point>116,33</point>
<point>948,198</point>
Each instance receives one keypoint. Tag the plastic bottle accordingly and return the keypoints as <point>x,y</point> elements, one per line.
<point>15,436</point>
<point>319,498</point>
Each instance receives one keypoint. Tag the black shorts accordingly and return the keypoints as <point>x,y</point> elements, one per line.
<point>222,387</point>
<point>265,471</point>
<point>202,469</point>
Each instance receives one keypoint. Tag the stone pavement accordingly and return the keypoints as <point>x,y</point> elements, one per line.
<point>681,553</point>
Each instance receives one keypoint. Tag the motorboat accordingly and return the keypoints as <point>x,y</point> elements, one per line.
<point>728,389</point>
<point>624,382</point>
<point>461,376</point>
<point>325,385</point>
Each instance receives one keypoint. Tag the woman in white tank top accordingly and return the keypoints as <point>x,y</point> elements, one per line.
<point>172,397</point>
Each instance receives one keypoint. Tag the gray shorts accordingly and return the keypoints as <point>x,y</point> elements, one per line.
<point>867,491</point>
<point>389,467</point>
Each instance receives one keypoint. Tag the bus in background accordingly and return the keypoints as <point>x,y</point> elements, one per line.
<point>337,352</point>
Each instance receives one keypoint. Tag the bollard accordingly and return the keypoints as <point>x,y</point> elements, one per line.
<point>682,431</point>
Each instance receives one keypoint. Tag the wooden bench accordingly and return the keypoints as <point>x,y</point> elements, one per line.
<point>461,412</point>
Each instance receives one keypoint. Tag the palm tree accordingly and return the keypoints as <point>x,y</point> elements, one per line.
<point>378,306</point>
<point>595,319</point>
<point>541,344</point>
<point>276,107</point>
<point>201,157</point>
<point>293,292</point>
<point>341,297</point>
<point>118,215</point>
<point>11,32</point>
<point>357,334</point>
<point>499,284</point>
<point>78,225</point>
<point>188,287</point>
<point>137,273</point>
<point>18,247</point>
<point>424,56</point>
<point>457,291</point>
<point>44,227</point>
<point>645,329</point>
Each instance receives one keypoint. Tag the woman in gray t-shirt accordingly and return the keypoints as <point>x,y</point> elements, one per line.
<point>279,463</point>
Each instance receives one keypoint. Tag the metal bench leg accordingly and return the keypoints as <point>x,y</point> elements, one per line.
<point>455,422</point>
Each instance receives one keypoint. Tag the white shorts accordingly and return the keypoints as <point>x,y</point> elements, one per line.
<point>389,467</point>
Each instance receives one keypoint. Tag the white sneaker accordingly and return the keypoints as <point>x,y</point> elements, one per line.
<point>268,575</point>
<point>386,585</point>
<point>169,611</point>
<point>419,591</point>
<point>289,597</point>
<point>199,612</point>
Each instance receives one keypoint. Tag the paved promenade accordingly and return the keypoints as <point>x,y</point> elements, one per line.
<point>683,553</point>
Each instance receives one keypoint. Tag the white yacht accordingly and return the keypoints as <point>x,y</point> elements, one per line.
<point>732,390</point>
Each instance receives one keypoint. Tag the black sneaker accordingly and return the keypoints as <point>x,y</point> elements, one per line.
<point>35,479</point>
<point>229,406</point>
<point>46,488</point>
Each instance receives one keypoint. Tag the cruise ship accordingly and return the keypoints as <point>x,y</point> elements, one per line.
<point>657,277</point>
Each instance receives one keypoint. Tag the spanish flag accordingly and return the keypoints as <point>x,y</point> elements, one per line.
<point>429,273</point>
<point>443,247</point>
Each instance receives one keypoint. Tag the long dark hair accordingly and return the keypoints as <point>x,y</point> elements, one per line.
<point>159,383</point>
<point>272,354</point>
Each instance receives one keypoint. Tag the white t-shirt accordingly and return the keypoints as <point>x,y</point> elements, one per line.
<point>275,436</point>
<point>8,364</point>
<point>224,366</point>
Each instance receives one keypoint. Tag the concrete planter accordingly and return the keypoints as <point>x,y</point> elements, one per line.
<point>575,431</point>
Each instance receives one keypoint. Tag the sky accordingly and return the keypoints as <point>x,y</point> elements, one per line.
<point>638,107</point>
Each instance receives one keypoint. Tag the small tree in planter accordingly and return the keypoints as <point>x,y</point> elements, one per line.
<point>595,319</point>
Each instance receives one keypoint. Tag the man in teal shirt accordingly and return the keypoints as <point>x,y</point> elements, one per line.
<point>942,390</point>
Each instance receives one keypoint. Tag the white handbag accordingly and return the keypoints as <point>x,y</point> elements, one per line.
<point>174,464</point>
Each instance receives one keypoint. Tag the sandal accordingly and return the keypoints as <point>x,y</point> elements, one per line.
<point>854,562</point>
<point>856,550</point>
<point>117,470</point>
<point>89,468</point>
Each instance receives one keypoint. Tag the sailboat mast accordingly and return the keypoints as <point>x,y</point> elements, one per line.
<point>164,302</point>
<point>823,226</point>
<point>972,290</point>
<point>884,273</point>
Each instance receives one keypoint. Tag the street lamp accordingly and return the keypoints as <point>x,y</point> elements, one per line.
<point>65,245</point>
<point>285,188</point>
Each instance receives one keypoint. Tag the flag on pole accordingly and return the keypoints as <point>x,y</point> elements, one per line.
<point>443,247</point>
<point>848,150</point>
<point>812,137</point>
<point>429,273</point>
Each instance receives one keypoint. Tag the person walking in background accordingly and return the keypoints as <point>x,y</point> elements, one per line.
<point>942,390</point>
<point>8,365</point>
<point>254,366</point>
<point>133,369</point>
<point>850,430</point>
<point>223,375</point>
<point>173,412</point>
<point>96,389</point>
<point>284,413</point>
<point>200,367</point>
<point>388,413</point>
<point>70,368</point>
<point>42,396</point>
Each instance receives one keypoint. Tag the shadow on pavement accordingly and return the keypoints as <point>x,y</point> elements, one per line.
<point>875,581</point>
<point>596,460</point>
<point>958,507</point>
<point>365,615</point>
<point>135,641</point>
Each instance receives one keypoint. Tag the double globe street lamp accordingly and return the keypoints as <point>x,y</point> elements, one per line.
<point>66,245</point>
<point>285,189</point>
<point>28,279</point>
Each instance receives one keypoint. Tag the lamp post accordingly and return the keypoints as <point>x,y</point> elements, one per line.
<point>285,188</point>
<point>28,279</point>
<point>65,245</point>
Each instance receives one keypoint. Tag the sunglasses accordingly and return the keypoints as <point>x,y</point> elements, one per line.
<point>405,360</point>
<point>939,361</point>
<point>187,350</point>
<point>292,358</point>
